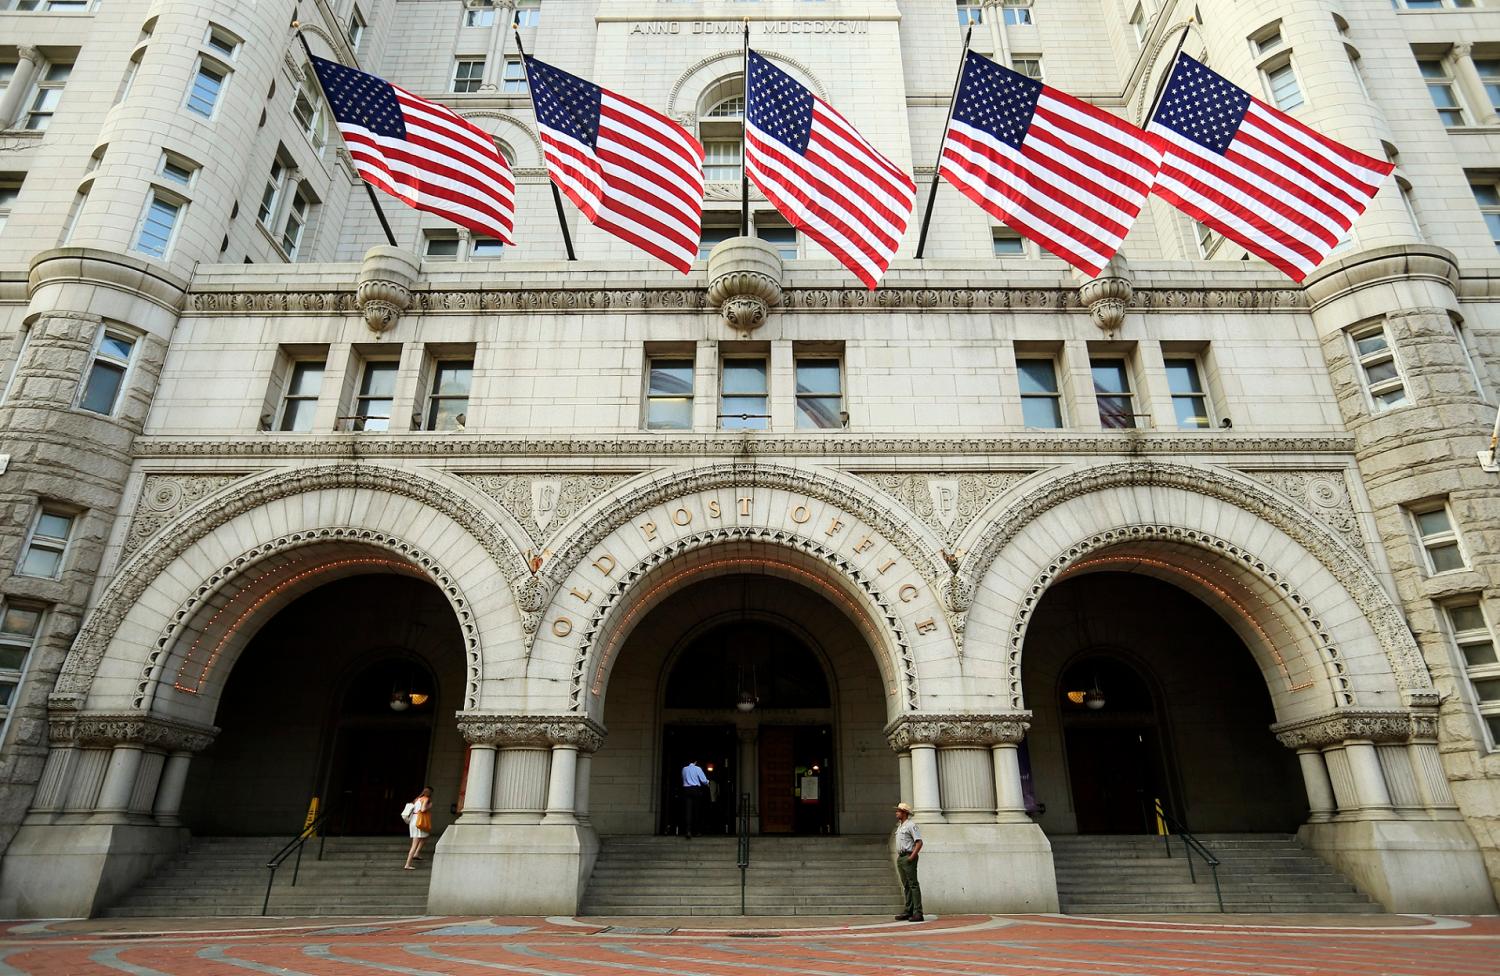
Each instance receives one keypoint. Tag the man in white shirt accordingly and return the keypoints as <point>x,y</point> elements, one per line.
<point>908,846</point>
<point>694,788</point>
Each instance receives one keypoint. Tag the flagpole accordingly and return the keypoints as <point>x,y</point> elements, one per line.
<point>385,225</point>
<point>1161,86</point>
<point>562,220</point>
<point>932,194</point>
<point>744,140</point>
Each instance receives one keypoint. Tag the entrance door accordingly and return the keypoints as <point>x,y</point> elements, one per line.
<point>715,747</point>
<point>796,779</point>
<point>376,771</point>
<point>1114,772</point>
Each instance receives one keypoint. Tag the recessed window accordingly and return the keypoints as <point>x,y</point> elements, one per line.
<point>221,42</point>
<point>46,544</point>
<point>1441,89</point>
<point>479,17</point>
<point>513,78</point>
<point>1267,40</point>
<point>1281,85</point>
<point>270,197</point>
<point>47,96</point>
<point>1474,641</point>
<point>10,192</point>
<point>468,74</point>
<point>1030,66</point>
<point>448,404</point>
<point>1489,76</point>
<point>158,225</point>
<point>356,29</point>
<point>296,223</point>
<point>1018,13</point>
<point>440,246</point>
<point>486,247</point>
<point>7,74</point>
<point>1440,543</point>
<point>780,236</point>
<point>1189,402</point>
<point>132,68</point>
<point>301,398</point>
<point>1208,239</point>
<point>1140,26</point>
<point>106,376</point>
<point>19,626</point>
<point>176,169</point>
<point>1378,369</point>
<point>1041,401</point>
<point>1112,390</point>
<point>208,85</point>
<point>528,13</point>
<point>310,111</point>
<point>377,392</point>
<point>969,12</point>
<point>1007,243</point>
<point>1487,196</point>
<point>820,393</point>
<point>743,394</point>
<point>732,107</point>
<point>721,160</point>
<point>669,394</point>
<point>712,235</point>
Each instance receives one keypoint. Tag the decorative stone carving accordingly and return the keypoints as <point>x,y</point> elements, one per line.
<point>1108,295</point>
<point>385,280</point>
<point>952,730</point>
<point>744,281</point>
<point>946,502</point>
<point>166,496</point>
<point>1325,494</point>
<point>531,730</point>
<point>1361,724</point>
<point>90,729</point>
<point>538,501</point>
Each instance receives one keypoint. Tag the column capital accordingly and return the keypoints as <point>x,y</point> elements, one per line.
<point>1357,724</point>
<point>1463,49</point>
<point>93,729</point>
<point>27,52</point>
<point>531,730</point>
<point>957,729</point>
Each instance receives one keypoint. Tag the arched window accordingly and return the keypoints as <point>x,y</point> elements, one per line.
<point>721,129</point>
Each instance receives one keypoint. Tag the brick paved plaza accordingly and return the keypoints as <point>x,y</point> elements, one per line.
<point>953,946</point>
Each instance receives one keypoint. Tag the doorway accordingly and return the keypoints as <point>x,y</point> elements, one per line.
<point>714,747</point>
<point>796,779</point>
<point>1115,764</point>
<point>380,752</point>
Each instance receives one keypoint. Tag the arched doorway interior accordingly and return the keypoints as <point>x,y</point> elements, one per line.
<point>1112,738</point>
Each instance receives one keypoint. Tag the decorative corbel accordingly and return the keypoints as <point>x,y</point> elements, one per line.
<point>1107,296</point>
<point>744,281</point>
<point>385,281</point>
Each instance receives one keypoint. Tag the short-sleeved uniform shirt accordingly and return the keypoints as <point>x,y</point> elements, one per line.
<point>907,835</point>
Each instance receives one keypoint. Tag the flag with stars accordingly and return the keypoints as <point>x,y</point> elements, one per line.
<point>632,171</point>
<point>420,152</point>
<point>1068,175</point>
<point>822,175</point>
<point>1255,174</point>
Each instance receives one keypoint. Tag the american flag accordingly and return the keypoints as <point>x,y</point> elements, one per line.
<point>822,175</point>
<point>1257,175</point>
<point>421,152</point>
<point>1069,176</point>
<point>631,170</point>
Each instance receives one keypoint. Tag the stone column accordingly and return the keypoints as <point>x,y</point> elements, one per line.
<point>926,799</point>
<point>1432,782</point>
<point>119,779</point>
<point>27,59</point>
<point>169,790</point>
<point>560,785</point>
<point>1010,799</point>
<point>1467,75</point>
<point>480,787</point>
<point>534,776</point>
<point>581,784</point>
<point>903,773</point>
<point>1369,781</point>
<point>1320,801</point>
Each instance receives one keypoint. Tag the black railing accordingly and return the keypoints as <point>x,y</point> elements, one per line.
<point>317,828</point>
<point>742,849</point>
<point>1166,825</point>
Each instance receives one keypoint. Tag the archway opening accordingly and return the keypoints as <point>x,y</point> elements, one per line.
<point>1142,692</point>
<point>337,697</point>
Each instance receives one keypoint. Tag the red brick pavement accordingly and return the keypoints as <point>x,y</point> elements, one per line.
<point>955,946</point>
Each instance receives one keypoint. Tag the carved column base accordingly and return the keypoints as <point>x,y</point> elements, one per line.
<point>744,281</point>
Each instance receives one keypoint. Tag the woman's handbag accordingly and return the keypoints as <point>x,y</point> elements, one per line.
<point>406,812</point>
<point>424,820</point>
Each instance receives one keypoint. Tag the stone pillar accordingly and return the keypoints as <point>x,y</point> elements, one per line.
<point>119,779</point>
<point>169,790</point>
<point>581,784</point>
<point>903,774</point>
<point>926,799</point>
<point>1432,783</point>
<point>27,59</point>
<point>1010,799</point>
<point>1320,801</point>
<point>1369,781</point>
<point>479,789</point>
<point>1468,77</point>
<point>968,784</point>
<point>561,784</point>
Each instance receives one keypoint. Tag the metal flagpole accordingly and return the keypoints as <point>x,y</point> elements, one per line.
<point>744,141</point>
<point>385,225</point>
<point>932,194</point>
<point>1161,86</point>
<point>562,220</point>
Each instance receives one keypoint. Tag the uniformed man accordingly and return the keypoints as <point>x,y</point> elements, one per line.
<point>908,846</point>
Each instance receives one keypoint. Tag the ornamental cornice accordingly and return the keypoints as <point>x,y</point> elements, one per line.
<point>1394,725</point>
<point>531,730</point>
<point>957,729</point>
<point>93,729</point>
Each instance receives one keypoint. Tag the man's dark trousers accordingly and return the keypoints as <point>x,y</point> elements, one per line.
<point>910,888</point>
<point>692,805</point>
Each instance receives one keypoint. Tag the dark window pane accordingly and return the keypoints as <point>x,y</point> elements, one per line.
<point>1191,411</point>
<point>1037,375</point>
<point>379,380</point>
<point>1446,557</point>
<point>1478,655</point>
<point>445,413</point>
<point>1182,376</point>
<point>307,379</point>
<point>671,377</point>
<point>1110,376</point>
<point>1115,412</point>
<point>818,376</point>
<point>1488,689</point>
<point>744,376</point>
<point>298,415</point>
<point>102,387</point>
<point>454,379</point>
<point>12,657</point>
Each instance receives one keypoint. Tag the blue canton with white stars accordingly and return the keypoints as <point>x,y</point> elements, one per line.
<point>996,100</point>
<point>778,105</point>
<point>357,98</point>
<point>565,102</point>
<point>1202,105</point>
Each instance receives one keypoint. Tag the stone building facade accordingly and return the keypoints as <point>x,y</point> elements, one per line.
<point>281,505</point>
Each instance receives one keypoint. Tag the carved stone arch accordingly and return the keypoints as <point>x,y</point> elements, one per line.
<point>136,574</point>
<point>1335,555</point>
<point>895,660</point>
<point>735,54</point>
<point>519,124</point>
<point>411,558</point>
<point>1088,550</point>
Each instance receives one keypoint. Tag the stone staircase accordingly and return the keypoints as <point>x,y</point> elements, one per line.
<point>1265,873</point>
<point>639,875</point>
<point>227,876</point>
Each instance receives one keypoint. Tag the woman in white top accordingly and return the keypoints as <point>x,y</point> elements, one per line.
<point>419,824</point>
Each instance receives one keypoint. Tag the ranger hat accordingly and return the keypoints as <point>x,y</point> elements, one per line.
<point>904,806</point>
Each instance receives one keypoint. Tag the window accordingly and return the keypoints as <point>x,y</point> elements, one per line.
<point>479,17</point>
<point>669,394</point>
<point>1189,403</point>
<point>221,42</point>
<point>377,391</point>
<point>75,211</point>
<point>1460,335</point>
<point>158,225</point>
<point>1007,243</point>
<point>1028,65</point>
<point>1208,239</point>
<point>448,404</point>
<point>1041,402</point>
<point>1440,89</point>
<point>208,85</point>
<point>1431,4</point>
<point>309,109</point>
<point>728,108</point>
<point>743,394</point>
<point>469,73</point>
<point>714,234</point>
<point>1377,365</point>
<point>721,160</point>
<point>1440,542</point>
<point>440,246</point>
<point>1266,40</point>
<point>1018,12</point>
<point>528,13</point>
<point>513,81</point>
<point>7,74</point>
<point>969,12</point>
<point>1281,85</point>
<point>486,247</point>
<point>10,192</point>
<point>780,236</point>
<point>1489,76</point>
<point>176,169</point>
<point>1487,195</point>
<point>1112,389</point>
<point>48,94</point>
<point>46,544</point>
<point>356,31</point>
<point>296,223</point>
<point>270,197</point>
<point>720,130</point>
<point>18,631</point>
<point>1140,25</point>
<point>1475,643</point>
<point>820,393</point>
<point>301,399</point>
<point>132,68</point>
<point>106,376</point>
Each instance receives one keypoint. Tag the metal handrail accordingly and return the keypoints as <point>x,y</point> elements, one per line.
<point>295,845</point>
<point>1165,825</point>
<point>742,850</point>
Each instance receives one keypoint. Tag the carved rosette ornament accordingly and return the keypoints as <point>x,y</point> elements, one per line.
<point>384,292</point>
<point>531,730</point>
<point>957,730</point>
<point>1358,724</point>
<point>1108,296</point>
<point>91,729</point>
<point>744,281</point>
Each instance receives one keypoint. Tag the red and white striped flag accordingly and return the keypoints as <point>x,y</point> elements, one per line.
<point>1054,168</point>
<point>1257,175</point>
<point>630,169</point>
<point>822,175</point>
<point>420,152</point>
